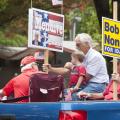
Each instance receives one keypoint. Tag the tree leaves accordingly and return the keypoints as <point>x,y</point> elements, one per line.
<point>89,21</point>
<point>3,4</point>
<point>14,18</point>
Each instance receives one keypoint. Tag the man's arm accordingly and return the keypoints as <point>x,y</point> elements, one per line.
<point>92,96</point>
<point>60,70</point>
<point>8,88</point>
<point>96,96</point>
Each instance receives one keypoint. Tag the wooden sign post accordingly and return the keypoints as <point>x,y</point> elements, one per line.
<point>111,36</point>
<point>115,6</point>
<point>46,58</point>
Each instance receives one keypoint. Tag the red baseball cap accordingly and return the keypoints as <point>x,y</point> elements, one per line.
<point>27,60</point>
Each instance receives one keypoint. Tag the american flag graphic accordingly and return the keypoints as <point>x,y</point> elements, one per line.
<point>50,29</point>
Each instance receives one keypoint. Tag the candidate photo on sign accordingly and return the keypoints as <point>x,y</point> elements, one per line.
<point>36,38</point>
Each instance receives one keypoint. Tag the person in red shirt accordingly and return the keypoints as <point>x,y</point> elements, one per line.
<point>108,92</point>
<point>77,71</point>
<point>77,74</point>
<point>20,85</point>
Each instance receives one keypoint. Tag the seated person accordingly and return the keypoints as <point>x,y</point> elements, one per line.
<point>108,93</point>
<point>77,71</point>
<point>20,85</point>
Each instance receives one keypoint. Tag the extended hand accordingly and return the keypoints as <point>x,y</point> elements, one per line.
<point>75,89</point>
<point>68,65</point>
<point>116,77</point>
<point>82,94</point>
<point>46,67</point>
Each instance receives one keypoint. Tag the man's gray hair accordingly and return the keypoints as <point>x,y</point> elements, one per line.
<point>84,37</point>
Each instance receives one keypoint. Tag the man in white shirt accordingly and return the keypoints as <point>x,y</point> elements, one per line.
<point>96,66</point>
<point>95,63</point>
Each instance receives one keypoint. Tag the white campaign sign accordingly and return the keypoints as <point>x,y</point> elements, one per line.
<point>46,30</point>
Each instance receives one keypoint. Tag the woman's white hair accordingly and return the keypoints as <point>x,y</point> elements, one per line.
<point>26,67</point>
<point>84,37</point>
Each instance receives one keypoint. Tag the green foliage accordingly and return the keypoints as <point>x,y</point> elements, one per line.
<point>3,4</point>
<point>10,39</point>
<point>14,19</point>
<point>89,22</point>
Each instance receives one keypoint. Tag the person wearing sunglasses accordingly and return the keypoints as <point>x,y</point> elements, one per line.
<point>19,85</point>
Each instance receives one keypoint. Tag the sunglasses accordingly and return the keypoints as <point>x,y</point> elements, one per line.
<point>36,64</point>
<point>32,64</point>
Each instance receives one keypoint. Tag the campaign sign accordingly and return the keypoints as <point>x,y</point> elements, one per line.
<point>45,30</point>
<point>110,37</point>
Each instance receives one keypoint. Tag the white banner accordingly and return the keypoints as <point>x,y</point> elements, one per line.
<point>57,2</point>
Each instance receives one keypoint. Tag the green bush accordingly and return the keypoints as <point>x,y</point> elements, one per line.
<point>3,4</point>
<point>10,39</point>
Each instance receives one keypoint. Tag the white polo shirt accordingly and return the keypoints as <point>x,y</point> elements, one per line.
<point>96,66</point>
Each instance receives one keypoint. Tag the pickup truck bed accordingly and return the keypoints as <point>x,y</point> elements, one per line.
<point>95,110</point>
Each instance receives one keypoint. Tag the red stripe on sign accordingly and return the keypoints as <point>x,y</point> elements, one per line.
<point>54,47</point>
<point>55,34</point>
<point>55,18</point>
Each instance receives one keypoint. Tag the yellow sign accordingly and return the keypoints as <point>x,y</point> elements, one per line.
<point>110,37</point>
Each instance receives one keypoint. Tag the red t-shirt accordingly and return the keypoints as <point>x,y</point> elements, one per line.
<point>108,93</point>
<point>76,72</point>
<point>19,85</point>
